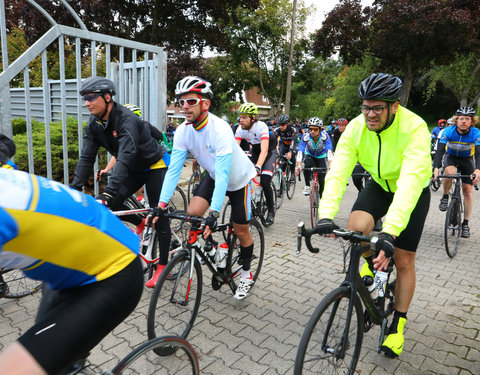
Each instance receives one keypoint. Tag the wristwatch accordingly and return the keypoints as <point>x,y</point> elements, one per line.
<point>215,214</point>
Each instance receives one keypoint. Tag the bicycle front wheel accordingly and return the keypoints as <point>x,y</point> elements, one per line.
<point>291,182</point>
<point>314,201</point>
<point>324,348</point>
<point>234,263</point>
<point>176,298</point>
<point>18,285</point>
<point>453,227</point>
<point>144,360</point>
<point>178,202</point>
<point>278,183</point>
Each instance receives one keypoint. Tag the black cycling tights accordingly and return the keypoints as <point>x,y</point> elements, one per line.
<point>265,180</point>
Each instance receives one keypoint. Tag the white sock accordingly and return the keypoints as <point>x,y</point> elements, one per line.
<point>245,274</point>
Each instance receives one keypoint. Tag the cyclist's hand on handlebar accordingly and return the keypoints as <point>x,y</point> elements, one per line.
<point>476,177</point>
<point>325,227</point>
<point>435,174</point>
<point>210,223</point>
<point>384,247</point>
<point>154,214</point>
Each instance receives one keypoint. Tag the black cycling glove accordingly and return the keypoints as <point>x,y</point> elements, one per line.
<point>325,226</point>
<point>211,221</point>
<point>386,243</point>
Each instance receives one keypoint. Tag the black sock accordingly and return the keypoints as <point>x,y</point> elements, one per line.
<point>465,222</point>
<point>445,196</point>
<point>396,316</point>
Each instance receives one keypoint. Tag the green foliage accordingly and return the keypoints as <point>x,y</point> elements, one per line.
<point>39,147</point>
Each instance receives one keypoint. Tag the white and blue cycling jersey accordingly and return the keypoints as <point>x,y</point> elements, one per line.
<point>321,149</point>
<point>213,145</point>
<point>59,235</point>
<point>460,145</point>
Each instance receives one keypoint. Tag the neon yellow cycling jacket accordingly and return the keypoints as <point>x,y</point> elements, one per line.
<point>397,158</point>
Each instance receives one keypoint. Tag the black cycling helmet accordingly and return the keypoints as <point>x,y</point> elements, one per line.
<point>98,85</point>
<point>465,111</point>
<point>7,148</point>
<point>283,119</point>
<point>381,86</point>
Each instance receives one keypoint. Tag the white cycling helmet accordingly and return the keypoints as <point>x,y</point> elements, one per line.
<point>315,121</point>
<point>194,84</point>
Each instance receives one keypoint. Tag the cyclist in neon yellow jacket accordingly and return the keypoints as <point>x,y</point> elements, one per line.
<point>393,145</point>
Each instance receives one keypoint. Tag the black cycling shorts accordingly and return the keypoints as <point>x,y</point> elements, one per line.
<point>72,322</point>
<point>464,165</point>
<point>239,199</point>
<point>376,201</point>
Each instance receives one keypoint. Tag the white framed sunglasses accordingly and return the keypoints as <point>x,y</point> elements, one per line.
<point>190,102</point>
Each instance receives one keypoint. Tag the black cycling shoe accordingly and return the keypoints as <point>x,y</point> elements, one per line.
<point>443,204</point>
<point>270,217</point>
<point>465,231</point>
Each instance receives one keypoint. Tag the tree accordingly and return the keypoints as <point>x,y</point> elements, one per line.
<point>405,35</point>
<point>259,49</point>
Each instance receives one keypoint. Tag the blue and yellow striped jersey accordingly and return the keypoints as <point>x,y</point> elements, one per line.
<point>59,235</point>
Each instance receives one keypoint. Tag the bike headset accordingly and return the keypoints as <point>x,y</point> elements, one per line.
<point>101,86</point>
<point>248,109</point>
<point>198,86</point>
<point>382,86</point>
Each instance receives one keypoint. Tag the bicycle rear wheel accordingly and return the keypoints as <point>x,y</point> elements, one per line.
<point>453,227</point>
<point>291,182</point>
<point>18,285</point>
<point>193,183</point>
<point>234,265</point>
<point>314,201</point>
<point>175,300</point>
<point>322,339</point>
<point>277,180</point>
<point>144,360</point>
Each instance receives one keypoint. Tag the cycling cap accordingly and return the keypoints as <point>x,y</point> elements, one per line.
<point>248,109</point>
<point>134,109</point>
<point>283,119</point>
<point>342,121</point>
<point>194,84</point>
<point>98,85</point>
<point>315,121</point>
<point>381,86</point>
<point>465,111</point>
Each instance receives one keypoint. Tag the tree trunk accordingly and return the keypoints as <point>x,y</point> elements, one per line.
<point>407,83</point>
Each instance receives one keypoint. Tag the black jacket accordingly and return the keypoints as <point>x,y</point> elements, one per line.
<point>126,137</point>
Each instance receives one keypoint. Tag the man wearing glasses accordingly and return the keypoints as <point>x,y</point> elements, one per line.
<point>210,140</point>
<point>140,158</point>
<point>393,145</point>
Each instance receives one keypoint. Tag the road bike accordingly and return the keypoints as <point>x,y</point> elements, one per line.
<point>176,298</point>
<point>283,180</point>
<point>332,339</point>
<point>454,217</point>
<point>315,194</point>
<point>145,360</point>
<point>14,284</point>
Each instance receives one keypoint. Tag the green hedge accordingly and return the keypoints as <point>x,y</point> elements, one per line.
<point>39,149</point>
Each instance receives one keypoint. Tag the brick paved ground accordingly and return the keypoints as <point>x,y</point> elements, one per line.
<point>260,335</point>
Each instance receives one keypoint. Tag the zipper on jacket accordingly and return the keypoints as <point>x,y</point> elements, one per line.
<point>378,165</point>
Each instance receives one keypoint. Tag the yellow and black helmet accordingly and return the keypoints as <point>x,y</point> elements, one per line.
<point>248,109</point>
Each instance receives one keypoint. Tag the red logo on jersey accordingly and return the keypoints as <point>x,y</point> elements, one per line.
<point>114,133</point>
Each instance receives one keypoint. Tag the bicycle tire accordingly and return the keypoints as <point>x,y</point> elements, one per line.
<point>263,207</point>
<point>453,227</point>
<point>290,183</point>
<point>316,352</point>
<point>168,313</point>
<point>278,183</point>
<point>226,218</point>
<point>193,183</point>
<point>18,285</point>
<point>178,202</point>
<point>314,201</point>
<point>184,360</point>
<point>234,266</point>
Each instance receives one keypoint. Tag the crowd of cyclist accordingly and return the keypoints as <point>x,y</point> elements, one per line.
<point>142,156</point>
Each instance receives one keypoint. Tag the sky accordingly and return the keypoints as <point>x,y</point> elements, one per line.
<point>323,7</point>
